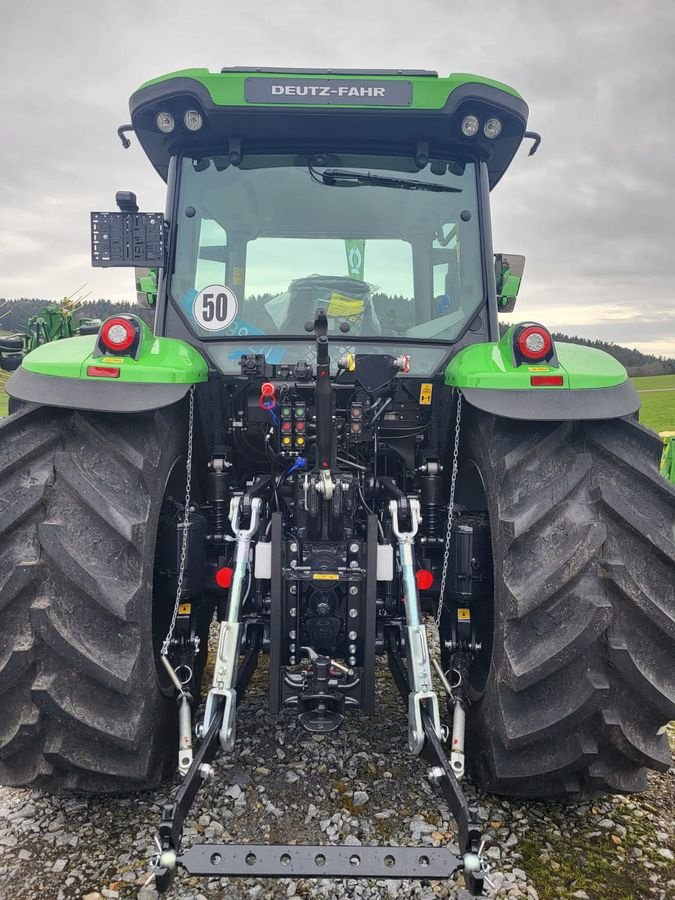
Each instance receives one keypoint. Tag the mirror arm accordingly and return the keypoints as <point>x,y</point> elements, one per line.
<point>126,143</point>
<point>536,138</point>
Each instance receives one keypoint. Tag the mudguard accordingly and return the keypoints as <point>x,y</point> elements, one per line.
<point>594,384</point>
<point>56,374</point>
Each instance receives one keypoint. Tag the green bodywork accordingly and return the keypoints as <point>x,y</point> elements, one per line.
<point>492,366</point>
<point>161,360</point>
<point>227,88</point>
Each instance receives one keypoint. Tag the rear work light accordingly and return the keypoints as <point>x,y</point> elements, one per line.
<point>117,334</point>
<point>534,342</point>
<point>546,380</point>
<point>103,372</point>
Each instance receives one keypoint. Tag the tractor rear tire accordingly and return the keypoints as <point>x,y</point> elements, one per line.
<point>581,682</point>
<point>81,708</point>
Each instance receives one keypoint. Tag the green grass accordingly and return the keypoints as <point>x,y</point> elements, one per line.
<point>657,401</point>
<point>654,382</point>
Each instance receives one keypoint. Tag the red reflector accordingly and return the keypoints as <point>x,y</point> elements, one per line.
<point>224,577</point>
<point>103,372</point>
<point>424,579</point>
<point>546,380</point>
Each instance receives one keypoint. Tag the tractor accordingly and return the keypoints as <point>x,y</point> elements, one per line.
<point>324,445</point>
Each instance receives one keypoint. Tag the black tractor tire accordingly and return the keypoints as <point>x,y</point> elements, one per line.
<point>581,682</point>
<point>81,707</point>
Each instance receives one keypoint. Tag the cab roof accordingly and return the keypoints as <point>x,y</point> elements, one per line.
<point>409,112</point>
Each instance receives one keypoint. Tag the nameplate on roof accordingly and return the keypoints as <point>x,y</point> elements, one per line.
<point>328,91</point>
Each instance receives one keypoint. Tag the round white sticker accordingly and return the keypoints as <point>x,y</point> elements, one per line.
<point>215,307</point>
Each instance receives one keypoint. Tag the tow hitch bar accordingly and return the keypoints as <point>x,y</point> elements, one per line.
<point>280,861</point>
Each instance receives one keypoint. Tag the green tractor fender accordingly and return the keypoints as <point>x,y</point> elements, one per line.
<point>82,373</point>
<point>569,381</point>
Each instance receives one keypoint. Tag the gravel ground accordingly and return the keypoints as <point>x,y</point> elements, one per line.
<point>357,787</point>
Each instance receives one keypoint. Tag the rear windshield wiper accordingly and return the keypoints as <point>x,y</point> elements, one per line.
<point>344,178</point>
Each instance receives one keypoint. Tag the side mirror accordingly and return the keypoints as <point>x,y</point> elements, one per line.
<point>146,286</point>
<point>509,269</point>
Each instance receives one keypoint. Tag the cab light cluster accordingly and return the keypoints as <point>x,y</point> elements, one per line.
<point>192,120</point>
<point>492,127</point>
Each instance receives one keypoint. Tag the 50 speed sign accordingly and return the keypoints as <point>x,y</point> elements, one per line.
<point>215,307</point>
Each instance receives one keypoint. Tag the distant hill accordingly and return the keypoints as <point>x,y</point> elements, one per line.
<point>14,317</point>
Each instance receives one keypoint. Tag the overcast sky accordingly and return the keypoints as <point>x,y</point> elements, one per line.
<point>593,211</point>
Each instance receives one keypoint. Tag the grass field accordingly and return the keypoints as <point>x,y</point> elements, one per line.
<point>657,397</point>
<point>657,394</point>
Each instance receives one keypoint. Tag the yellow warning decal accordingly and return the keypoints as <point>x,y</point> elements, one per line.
<point>425,394</point>
<point>237,275</point>
<point>538,369</point>
<point>464,615</point>
<point>112,359</point>
<point>184,609</point>
<point>325,576</point>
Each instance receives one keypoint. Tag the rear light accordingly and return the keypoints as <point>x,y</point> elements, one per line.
<point>224,577</point>
<point>534,342</point>
<point>117,334</point>
<point>546,380</point>
<point>103,371</point>
<point>424,579</point>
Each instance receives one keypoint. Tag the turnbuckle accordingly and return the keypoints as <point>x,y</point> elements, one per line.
<point>223,690</point>
<point>422,696</point>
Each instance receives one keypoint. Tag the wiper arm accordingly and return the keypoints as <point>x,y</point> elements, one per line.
<point>344,178</point>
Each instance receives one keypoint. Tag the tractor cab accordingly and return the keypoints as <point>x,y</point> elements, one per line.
<point>364,193</point>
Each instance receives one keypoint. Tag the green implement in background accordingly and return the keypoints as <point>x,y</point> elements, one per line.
<point>668,458</point>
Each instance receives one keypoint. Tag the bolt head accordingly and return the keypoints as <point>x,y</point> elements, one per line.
<point>353,548</point>
<point>353,613</point>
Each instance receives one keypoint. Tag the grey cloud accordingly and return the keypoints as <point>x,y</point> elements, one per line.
<point>594,210</point>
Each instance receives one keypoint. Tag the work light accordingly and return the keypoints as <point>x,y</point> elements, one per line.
<point>165,122</point>
<point>492,128</point>
<point>193,120</point>
<point>470,126</point>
